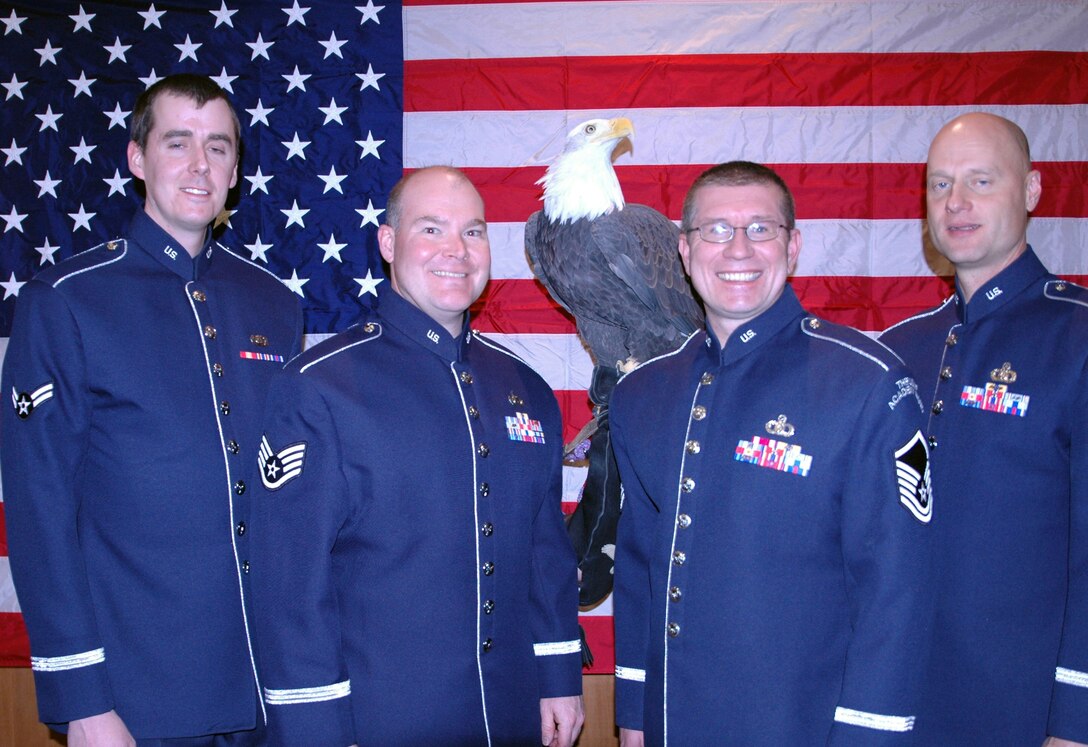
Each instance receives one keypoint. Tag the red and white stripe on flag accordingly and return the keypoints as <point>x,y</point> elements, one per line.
<point>841,97</point>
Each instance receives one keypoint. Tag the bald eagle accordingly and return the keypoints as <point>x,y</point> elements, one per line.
<point>613,266</point>
<point>616,269</point>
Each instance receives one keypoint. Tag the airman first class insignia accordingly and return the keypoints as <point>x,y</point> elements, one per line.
<point>522,428</point>
<point>279,467</point>
<point>771,453</point>
<point>26,403</point>
<point>912,472</point>
<point>996,397</point>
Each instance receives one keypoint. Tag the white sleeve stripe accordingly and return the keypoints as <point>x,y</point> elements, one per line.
<point>557,647</point>
<point>1071,677</point>
<point>63,663</point>
<point>873,720</point>
<point>308,694</point>
<point>633,675</point>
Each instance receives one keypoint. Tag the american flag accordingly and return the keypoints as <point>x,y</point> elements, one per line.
<point>841,97</point>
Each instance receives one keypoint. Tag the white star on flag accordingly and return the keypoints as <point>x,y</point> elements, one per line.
<point>223,219</point>
<point>295,147</point>
<point>83,20</point>
<point>117,50</point>
<point>48,53</point>
<point>117,117</point>
<point>369,146</point>
<point>12,286</point>
<point>223,15</point>
<point>82,151</point>
<point>332,46</point>
<point>49,119</point>
<point>151,79</point>
<point>332,249</point>
<point>188,49</point>
<point>369,78</point>
<point>82,83</point>
<point>295,214</point>
<point>369,213</point>
<point>258,181</point>
<point>224,80</point>
<point>151,16</point>
<point>14,88</point>
<point>296,80</point>
<point>295,283</point>
<point>260,114</point>
<point>369,11</point>
<point>82,218</point>
<point>117,183</point>
<point>260,48</point>
<point>47,251</point>
<point>13,23</point>
<point>47,185</point>
<point>14,219</point>
<point>369,284</point>
<point>14,153</point>
<point>258,250</point>
<point>332,180</point>
<point>332,112</point>
<point>295,15</point>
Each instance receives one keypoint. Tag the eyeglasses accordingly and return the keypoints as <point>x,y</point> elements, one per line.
<point>722,233</point>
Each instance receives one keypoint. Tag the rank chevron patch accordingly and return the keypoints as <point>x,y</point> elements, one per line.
<point>25,403</point>
<point>280,467</point>
<point>912,472</point>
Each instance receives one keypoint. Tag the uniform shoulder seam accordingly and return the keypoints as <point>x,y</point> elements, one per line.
<point>663,356</point>
<point>251,263</point>
<point>374,333</point>
<point>935,310</point>
<point>854,349</point>
<point>100,263</point>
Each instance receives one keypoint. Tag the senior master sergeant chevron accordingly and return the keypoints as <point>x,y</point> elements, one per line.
<point>772,559</point>
<point>137,371</point>
<point>413,582</point>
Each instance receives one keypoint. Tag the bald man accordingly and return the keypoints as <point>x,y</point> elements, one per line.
<point>1002,364</point>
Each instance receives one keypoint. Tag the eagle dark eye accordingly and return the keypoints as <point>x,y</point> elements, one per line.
<point>590,129</point>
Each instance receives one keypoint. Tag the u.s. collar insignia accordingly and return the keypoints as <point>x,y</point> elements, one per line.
<point>773,454</point>
<point>522,428</point>
<point>1003,375</point>
<point>279,467</point>
<point>995,398</point>
<point>912,472</point>
<point>779,427</point>
<point>25,403</point>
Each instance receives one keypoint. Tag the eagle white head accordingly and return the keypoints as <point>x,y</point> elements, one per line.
<point>581,182</point>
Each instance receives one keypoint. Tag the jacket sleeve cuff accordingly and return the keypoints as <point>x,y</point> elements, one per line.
<point>630,697</point>
<point>71,687</point>
<point>1069,705</point>
<point>316,716</point>
<point>559,668</point>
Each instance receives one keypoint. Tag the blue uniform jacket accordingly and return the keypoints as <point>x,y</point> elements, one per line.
<point>772,563</point>
<point>134,381</point>
<point>412,579</point>
<point>1005,379</point>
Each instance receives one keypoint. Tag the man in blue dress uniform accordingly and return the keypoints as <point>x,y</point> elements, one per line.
<point>137,371</point>
<point>413,582</point>
<point>772,560</point>
<point>1004,370</point>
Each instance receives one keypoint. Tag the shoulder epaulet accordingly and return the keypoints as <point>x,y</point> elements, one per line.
<point>851,339</point>
<point>1063,290</point>
<point>357,334</point>
<point>94,258</point>
<point>928,313</point>
<point>663,356</point>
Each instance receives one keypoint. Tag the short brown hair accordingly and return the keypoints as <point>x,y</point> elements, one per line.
<point>737,174</point>
<point>198,88</point>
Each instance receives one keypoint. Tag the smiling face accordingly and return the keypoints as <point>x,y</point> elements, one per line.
<point>189,164</point>
<point>740,279</point>
<point>979,190</point>
<point>438,254</point>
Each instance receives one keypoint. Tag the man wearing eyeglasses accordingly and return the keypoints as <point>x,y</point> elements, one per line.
<point>772,558</point>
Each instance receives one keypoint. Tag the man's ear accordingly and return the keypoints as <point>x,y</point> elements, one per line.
<point>386,234</point>
<point>135,159</point>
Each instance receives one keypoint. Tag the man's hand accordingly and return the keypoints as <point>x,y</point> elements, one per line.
<point>561,720</point>
<point>104,730</point>
<point>631,738</point>
<point>1059,742</point>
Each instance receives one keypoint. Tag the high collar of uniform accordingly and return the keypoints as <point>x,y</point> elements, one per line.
<point>429,334</point>
<point>755,332</point>
<point>153,239</point>
<point>1001,288</point>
